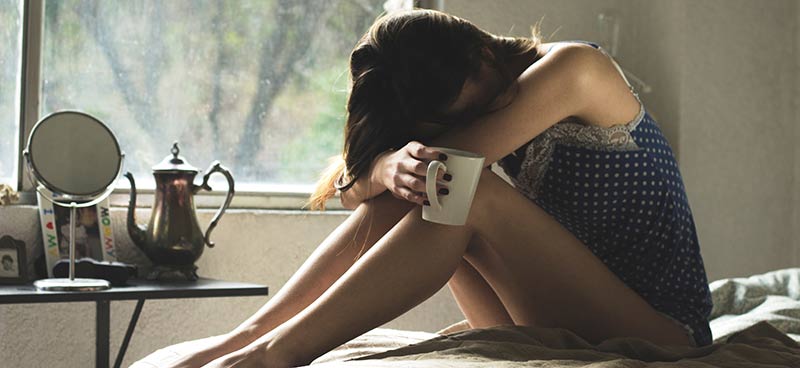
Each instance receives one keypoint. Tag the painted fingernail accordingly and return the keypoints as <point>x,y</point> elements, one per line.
<point>443,157</point>
<point>444,191</point>
<point>425,202</point>
<point>448,177</point>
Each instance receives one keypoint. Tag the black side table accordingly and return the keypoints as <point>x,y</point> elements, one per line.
<point>139,290</point>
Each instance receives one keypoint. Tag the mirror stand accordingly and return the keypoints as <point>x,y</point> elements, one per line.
<point>71,283</point>
<point>78,171</point>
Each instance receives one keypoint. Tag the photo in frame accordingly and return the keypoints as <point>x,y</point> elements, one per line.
<point>12,261</point>
<point>93,232</point>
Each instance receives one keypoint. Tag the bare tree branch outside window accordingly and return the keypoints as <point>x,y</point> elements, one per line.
<point>259,85</point>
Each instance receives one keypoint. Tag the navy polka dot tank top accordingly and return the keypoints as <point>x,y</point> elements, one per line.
<point>619,191</point>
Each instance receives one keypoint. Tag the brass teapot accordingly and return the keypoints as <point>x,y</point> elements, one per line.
<point>173,240</point>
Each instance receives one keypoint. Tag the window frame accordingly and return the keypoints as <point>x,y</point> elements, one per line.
<point>264,196</point>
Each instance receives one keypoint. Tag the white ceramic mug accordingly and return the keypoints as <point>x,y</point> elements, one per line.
<point>453,208</point>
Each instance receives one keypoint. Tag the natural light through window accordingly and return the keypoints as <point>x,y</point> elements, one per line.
<point>10,28</point>
<point>258,85</point>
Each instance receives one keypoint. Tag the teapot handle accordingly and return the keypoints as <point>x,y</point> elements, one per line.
<point>217,167</point>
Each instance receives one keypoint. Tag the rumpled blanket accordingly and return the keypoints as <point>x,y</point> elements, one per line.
<point>742,302</point>
<point>755,322</point>
<point>758,346</point>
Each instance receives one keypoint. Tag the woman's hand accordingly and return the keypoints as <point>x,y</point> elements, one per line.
<point>403,172</point>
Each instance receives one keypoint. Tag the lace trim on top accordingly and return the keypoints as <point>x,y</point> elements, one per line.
<point>574,133</point>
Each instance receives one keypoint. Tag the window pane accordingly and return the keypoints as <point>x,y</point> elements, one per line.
<point>10,28</point>
<point>258,85</point>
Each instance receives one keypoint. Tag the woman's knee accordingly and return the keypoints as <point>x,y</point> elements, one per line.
<point>486,203</point>
<point>373,218</point>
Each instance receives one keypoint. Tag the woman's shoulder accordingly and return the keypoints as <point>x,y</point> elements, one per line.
<point>572,51</point>
<point>565,63</point>
<point>546,47</point>
<point>593,77</point>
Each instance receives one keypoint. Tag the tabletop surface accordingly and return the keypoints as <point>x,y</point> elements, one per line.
<point>136,289</point>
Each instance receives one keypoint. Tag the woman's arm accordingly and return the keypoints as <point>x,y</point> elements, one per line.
<point>366,187</point>
<point>573,80</point>
<point>401,171</point>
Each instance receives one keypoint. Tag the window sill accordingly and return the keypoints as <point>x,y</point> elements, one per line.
<point>243,200</point>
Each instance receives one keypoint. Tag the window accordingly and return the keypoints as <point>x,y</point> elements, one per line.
<point>259,85</point>
<point>10,38</point>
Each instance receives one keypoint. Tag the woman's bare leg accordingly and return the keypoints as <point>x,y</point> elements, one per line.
<point>475,297</point>
<point>337,253</point>
<point>551,280</point>
<point>405,267</point>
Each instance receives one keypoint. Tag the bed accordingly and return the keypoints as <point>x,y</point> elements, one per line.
<point>755,322</point>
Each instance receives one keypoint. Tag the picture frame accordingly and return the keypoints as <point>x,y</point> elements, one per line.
<point>94,237</point>
<point>13,263</point>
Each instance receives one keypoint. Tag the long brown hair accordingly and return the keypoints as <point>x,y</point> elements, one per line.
<point>409,65</point>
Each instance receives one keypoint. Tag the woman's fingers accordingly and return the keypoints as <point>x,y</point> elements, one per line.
<point>409,195</point>
<point>422,189</point>
<point>414,191</point>
<point>416,167</point>
<point>416,184</point>
<point>441,175</point>
<point>411,171</point>
<point>420,168</point>
<point>422,152</point>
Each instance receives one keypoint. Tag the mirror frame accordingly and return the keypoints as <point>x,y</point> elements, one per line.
<point>55,194</point>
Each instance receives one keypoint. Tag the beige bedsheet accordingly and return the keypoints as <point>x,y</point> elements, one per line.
<point>755,322</point>
<point>758,346</point>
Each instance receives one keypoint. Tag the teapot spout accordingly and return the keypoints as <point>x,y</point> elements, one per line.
<point>135,231</point>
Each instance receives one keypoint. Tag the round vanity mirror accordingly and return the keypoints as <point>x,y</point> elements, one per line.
<point>74,155</point>
<point>74,160</point>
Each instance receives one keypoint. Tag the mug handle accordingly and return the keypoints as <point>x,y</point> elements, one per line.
<point>430,183</point>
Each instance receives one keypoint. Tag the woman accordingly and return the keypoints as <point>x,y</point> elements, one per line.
<point>595,236</point>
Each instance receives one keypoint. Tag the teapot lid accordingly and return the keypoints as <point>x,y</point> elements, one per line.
<point>174,162</point>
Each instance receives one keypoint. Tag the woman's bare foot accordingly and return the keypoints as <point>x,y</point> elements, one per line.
<point>190,354</point>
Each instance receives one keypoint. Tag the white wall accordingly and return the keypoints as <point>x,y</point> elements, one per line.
<point>796,183</point>
<point>738,116</point>
<point>723,74</point>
